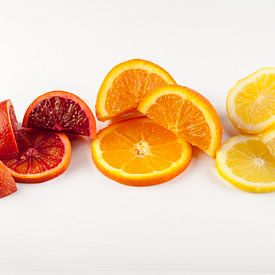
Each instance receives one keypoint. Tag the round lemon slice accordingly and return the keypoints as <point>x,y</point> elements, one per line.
<point>246,162</point>
<point>250,103</point>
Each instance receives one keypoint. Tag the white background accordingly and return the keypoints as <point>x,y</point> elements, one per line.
<point>82,221</point>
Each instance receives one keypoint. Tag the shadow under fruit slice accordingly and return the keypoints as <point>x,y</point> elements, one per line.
<point>8,129</point>
<point>42,156</point>
<point>7,183</point>
<point>126,84</point>
<point>139,152</point>
<point>61,111</point>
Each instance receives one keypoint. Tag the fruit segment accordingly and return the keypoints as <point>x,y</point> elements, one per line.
<point>61,111</point>
<point>268,138</point>
<point>246,162</point>
<point>126,84</point>
<point>7,183</point>
<point>251,102</point>
<point>42,156</point>
<point>139,152</point>
<point>8,129</point>
<point>186,113</point>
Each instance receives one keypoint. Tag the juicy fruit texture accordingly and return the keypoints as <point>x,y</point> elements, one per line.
<point>7,183</point>
<point>42,156</point>
<point>139,152</point>
<point>187,114</point>
<point>251,102</point>
<point>8,126</point>
<point>246,162</point>
<point>268,138</point>
<point>126,84</point>
<point>61,111</point>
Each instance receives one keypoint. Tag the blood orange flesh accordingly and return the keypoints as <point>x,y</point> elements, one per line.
<point>61,111</point>
<point>8,130</point>
<point>7,183</point>
<point>42,156</point>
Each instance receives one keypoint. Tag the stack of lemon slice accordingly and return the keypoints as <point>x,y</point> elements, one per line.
<point>248,160</point>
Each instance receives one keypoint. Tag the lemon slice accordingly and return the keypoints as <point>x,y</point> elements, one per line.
<point>246,162</point>
<point>251,102</point>
<point>268,138</point>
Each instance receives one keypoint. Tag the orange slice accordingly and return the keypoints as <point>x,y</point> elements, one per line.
<point>61,111</point>
<point>126,84</point>
<point>7,183</point>
<point>42,156</point>
<point>8,129</point>
<point>139,152</point>
<point>250,103</point>
<point>187,114</point>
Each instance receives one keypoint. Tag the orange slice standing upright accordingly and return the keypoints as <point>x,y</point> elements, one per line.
<point>126,84</point>
<point>139,152</point>
<point>8,129</point>
<point>186,113</point>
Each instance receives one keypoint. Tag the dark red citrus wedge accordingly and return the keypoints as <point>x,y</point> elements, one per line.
<point>8,129</point>
<point>7,183</point>
<point>42,156</point>
<point>61,111</point>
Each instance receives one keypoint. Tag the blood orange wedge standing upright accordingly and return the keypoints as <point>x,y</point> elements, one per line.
<point>61,111</point>
<point>7,183</point>
<point>126,84</point>
<point>8,126</point>
<point>187,114</point>
<point>139,152</point>
<point>42,156</point>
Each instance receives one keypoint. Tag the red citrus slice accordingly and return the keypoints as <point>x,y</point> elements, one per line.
<point>42,156</point>
<point>7,183</point>
<point>8,126</point>
<point>61,111</point>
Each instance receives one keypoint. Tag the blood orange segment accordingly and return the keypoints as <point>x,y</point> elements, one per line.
<point>126,84</point>
<point>7,183</point>
<point>8,129</point>
<point>42,156</point>
<point>139,152</point>
<point>61,111</point>
<point>186,113</point>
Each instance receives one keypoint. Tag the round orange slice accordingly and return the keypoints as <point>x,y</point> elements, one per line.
<point>126,84</point>
<point>139,152</point>
<point>42,156</point>
<point>187,114</point>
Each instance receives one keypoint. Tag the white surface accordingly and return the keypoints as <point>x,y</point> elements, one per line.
<point>83,221</point>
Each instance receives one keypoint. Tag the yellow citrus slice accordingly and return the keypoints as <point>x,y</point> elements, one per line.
<point>139,152</point>
<point>246,162</point>
<point>251,102</point>
<point>268,137</point>
<point>187,114</point>
<point>126,84</point>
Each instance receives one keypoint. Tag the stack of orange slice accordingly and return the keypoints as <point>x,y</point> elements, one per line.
<point>147,151</point>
